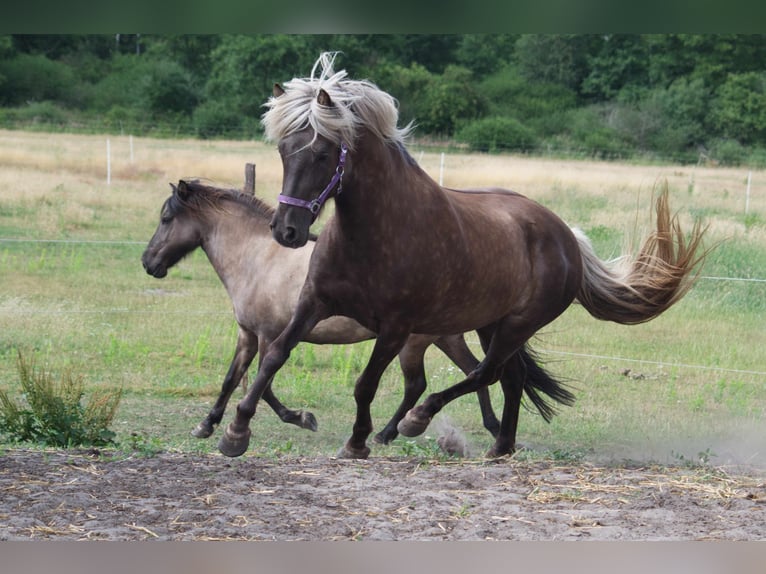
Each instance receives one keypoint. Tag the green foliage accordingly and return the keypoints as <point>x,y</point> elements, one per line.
<point>496,134</point>
<point>531,102</point>
<point>664,94</point>
<point>34,78</point>
<point>54,414</point>
<point>739,109</point>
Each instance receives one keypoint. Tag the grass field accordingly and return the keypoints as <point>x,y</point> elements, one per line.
<point>690,385</point>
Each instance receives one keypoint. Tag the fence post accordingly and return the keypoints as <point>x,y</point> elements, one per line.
<point>108,163</point>
<point>747,193</point>
<point>249,179</point>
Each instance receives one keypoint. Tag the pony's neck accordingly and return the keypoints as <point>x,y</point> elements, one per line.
<point>234,235</point>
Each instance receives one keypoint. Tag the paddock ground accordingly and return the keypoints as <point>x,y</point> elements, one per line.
<point>91,495</point>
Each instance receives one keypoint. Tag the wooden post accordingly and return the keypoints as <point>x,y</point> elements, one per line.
<point>249,178</point>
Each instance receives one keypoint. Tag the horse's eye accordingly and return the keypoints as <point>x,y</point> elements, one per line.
<point>321,157</point>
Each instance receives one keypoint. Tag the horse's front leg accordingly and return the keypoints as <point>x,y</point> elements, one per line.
<point>247,347</point>
<point>411,362</point>
<point>387,345</point>
<point>236,439</point>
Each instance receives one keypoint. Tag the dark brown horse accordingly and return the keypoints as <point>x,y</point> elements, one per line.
<point>404,255</point>
<point>263,281</point>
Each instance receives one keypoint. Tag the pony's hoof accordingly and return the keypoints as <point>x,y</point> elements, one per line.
<point>412,425</point>
<point>202,431</point>
<point>384,437</point>
<point>234,444</point>
<point>308,421</point>
<point>350,452</point>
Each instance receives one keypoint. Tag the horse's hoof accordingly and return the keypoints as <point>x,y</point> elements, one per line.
<point>350,452</point>
<point>202,431</point>
<point>308,421</point>
<point>412,425</point>
<point>495,453</point>
<point>234,444</point>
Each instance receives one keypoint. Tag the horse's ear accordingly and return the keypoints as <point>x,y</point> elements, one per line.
<point>323,98</point>
<point>278,90</point>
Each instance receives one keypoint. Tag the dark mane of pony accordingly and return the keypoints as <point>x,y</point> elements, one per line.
<point>208,195</point>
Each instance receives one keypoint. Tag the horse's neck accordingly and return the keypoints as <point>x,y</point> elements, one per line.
<point>234,238</point>
<point>385,183</point>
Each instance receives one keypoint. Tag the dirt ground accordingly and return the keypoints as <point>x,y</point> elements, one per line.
<point>65,495</point>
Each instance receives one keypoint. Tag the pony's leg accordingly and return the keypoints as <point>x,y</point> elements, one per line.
<point>247,347</point>
<point>388,343</point>
<point>309,312</point>
<point>300,418</point>
<point>411,361</point>
<point>457,350</point>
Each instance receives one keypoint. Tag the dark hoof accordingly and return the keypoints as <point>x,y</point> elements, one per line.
<point>308,421</point>
<point>412,425</point>
<point>350,452</point>
<point>234,444</point>
<point>202,431</point>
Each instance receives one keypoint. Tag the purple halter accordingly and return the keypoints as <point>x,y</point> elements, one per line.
<point>316,204</point>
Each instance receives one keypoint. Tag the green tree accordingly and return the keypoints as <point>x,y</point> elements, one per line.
<point>244,69</point>
<point>739,108</point>
<point>556,58</point>
<point>621,61</point>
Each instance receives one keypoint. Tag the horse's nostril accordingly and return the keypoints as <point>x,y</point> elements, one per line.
<point>289,233</point>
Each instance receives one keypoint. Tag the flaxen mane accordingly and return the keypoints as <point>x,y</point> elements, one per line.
<point>356,103</point>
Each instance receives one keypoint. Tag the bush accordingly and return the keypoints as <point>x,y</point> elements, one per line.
<point>34,78</point>
<point>215,119</point>
<point>54,414</point>
<point>497,133</point>
<point>728,152</point>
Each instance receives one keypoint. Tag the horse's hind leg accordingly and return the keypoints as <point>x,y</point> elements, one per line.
<point>247,347</point>
<point>457,350</point>
<point>504,340</point>
<point>512,382</point>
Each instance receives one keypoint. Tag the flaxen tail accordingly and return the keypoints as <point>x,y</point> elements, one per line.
<point>635,289</point>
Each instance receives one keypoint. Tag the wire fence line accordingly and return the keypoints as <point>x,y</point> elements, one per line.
<point>126,310</point>
<point>125,242</point>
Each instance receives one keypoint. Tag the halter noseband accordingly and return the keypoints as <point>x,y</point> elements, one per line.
<point>316,204</point>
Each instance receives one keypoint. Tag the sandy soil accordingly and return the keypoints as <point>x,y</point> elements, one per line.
<point>64,495</point>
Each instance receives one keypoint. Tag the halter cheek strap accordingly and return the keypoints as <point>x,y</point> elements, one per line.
<point>316,204</point>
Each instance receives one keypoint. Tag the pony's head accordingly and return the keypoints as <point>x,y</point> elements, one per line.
<point>312,120</point>
<point>178,232</point>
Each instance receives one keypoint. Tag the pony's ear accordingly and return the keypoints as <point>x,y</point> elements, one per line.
<point>182,190</point>
<point>323,98</point>
<point>278,90</point>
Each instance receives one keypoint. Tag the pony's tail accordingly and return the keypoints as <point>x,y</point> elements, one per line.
<point>632,290</point>
<point>537,380</point>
